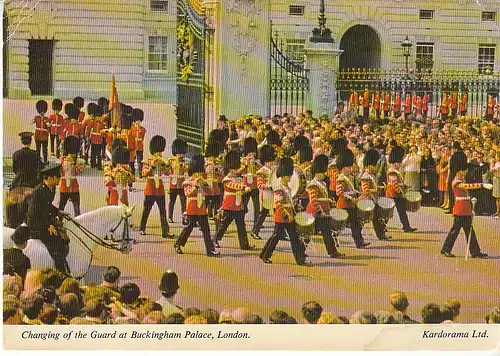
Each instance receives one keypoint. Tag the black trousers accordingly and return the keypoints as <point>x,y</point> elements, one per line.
<point>139,156</point>
<point>254,195</point>
<point>280,231</point>
<point>356,228</point>
<point>103,154</point>
<point>424,113</point>
<point>174,193</point>
<point>323,225</point>
<point>462,222</point>
<point>377,114</point>
<point>42,147</point>
<point>264,213</point>
<point>202,220</point>
<point>379,224</point>
<point>451,196</point>
<point>213,203</point>
<point>75,199</point>
<point>58,248</point>
<point>132,168</point>
<point>453,113</point>
<point>366,112</point>
<point>57,140</point>
<point>96,156</point>
<point>401,209</point>
<point>386,114</point>
<point>239,218</point>
<point>149,201</point>
<point>463,113</point>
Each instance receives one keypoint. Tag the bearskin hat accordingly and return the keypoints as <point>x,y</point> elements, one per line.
<point>179,146</point>
<point>273,138</point>
<point>99,111</point>
<point>339,144</point>
<point>71,145</point>
<point>196,165</point>
<point>397,154</point>
<point>458,162</point>
<point>305,153</point>
<point>169,282</point>
<point>285,167</point>
<point>371,157</point>
<point>300,141</point>
<point>266,154</point>
<point>57,104</point>
<point>232,160</point>
<point>117,142</point>
<point>79,102</point>
<point>103,102</point>
<point>138,115</point>
<point>157,144</point>
<point>320,164</point>
<point>249,145</point>
<point>213,149</point>
<point>91,107</point>
<point>71,111</point>
<point>120,155</point>
<point>41,106</point>
<point>345,159</point>
<point>126,122</point>
<point>127,110</point>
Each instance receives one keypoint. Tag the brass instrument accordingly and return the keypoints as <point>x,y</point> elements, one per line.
<point>158,167</point>
<point>200,193</point>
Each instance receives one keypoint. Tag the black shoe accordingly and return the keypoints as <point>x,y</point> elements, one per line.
<point>216,243</point>
<point>447,254</point>
<point>168,235</point>
<point>305,263</point>
<point>170,220</point>
<point>213,254</point>
<point>337,255</point>
<point>255,236</point>
<point>178,249</point>
<point>249,248</point>
<point>411,229</point>
<point>385,238</point>
<point>266,260</point>
<point>448,212</point>
<point>142,232</point>
<point>364,244</point>
<point>480,255</point>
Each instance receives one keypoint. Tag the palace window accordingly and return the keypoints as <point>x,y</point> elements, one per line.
<point>425,55</point>
<point>486,57</point>
<point>296,10</point>
<point>426,14</point>
<point>295,48</point>
<point>158,5</point>
<point>488,16</point>
<point>158,53</point>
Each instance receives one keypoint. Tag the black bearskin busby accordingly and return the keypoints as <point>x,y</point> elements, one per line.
<point>249,145</point>
<point>273,138</point>
<point>371,157</point>
<point>41,106</point>
<point>57,104</point>
<point>266,154</point>
<point>71,111</point>
<point>179,146</point>
<point>79,102</point>
<point>320,164</point>
<point>214,148</point>
<point>300,141</point>
<point>137,115</point>
<point>345,159</point>
<point>91,108</point>
<point>397,154</point>
<point>232,160</point>
<point>169,282</point>
<point>157,144</point>
<point>120,155</point>
<point>305,154</point>
<point>285,167</point>
<point>126,122</point>
<point>71,145</point>
<point>99,111</point>
<point>117,142</point>
<point>458,162</point>
<point>103,103</point>
<point>339,144</point>
<point>196,165</point>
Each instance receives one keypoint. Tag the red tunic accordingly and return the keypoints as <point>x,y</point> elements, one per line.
<point>69,170</point>
<point>81,117</point>
<point>56,124</point>
<point>318,199</point>
<point>213,175</point>
<point>41,128</point>
<point>66,122</point>
<point>407,104</point>
<point>463,103</point>
<point>96,135</point>
<point>354,100</point>
<point>425,102</point>
<point>195,197</point>
<point>445,103</point>
<point>333,173</point>
<point>394,184</point>
<point>397,103</point>
<point>345,192</point>
<point>387,100</point>
<point>454,100</point>
<point>139,133</point>
<point>376,101</point>
<point>283,208</point>
<point>178,172</point>
<point>463,204</point>
<point>368,183</point>
<point>492,102</point>
<point>87,126</point>
<point>154,183</point>
<point>366,100</point>
<point>73,129</point>
<point>233,194</point>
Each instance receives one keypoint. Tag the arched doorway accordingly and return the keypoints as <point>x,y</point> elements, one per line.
<point>5,54</point>
<point>361,46</point>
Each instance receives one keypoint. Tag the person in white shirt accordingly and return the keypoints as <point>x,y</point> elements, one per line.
<point>169,285</point>
<point>411,169</point>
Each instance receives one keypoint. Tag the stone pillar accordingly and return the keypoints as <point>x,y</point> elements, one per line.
<point>321,61</point>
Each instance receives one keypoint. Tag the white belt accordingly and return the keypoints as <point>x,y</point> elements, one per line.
<point>323,199</point>
<point>96,133</point>
<point>41,129</point>
<point>462,198</point>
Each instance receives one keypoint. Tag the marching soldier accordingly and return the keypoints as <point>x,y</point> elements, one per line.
<point>369,190</point>
<point>386,105</point>
<point>347,195</point>
<point>232,203</point>
<point>305,164</point>
<point>117,174</point>
<point>333,172</point>
<point>139,132</point>
<point>395,186</point>
<point>319,204</point>
<point>354,102</point>
<point>425,105</point>
<point>445,106</point>
<point>127,136</point>
<point>214,175</point>
<point>26,164</point>
<point>73,127</point>
<point>462,210</point>
<point>96,139</point>
<point>463,104</point>
<point>376,105</point>
<point>56,127</point>
<point>178,172</point>
<point>79,103</point>
<point>407,105</point>
<point>41,130</point>
<point>490,111</point>
<point>106,119</point>
<point>87,126</point>
<point>454,104</point>
<point>153,169</point>
<point>284,217</point>
<point>396,106</point>
<point>195,188</point>
<point>69,188</point>
<point>365,103</point>
<point>249,166</point>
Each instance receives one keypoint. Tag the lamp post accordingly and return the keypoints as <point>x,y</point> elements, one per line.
<point>407,45</point>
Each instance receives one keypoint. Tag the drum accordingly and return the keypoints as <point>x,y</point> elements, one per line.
<point>297,183</point>
<point>339,219</point>
<point>413,199</point>
<point>365,209</point>
<point>385,207</point>
<point>305,224</point>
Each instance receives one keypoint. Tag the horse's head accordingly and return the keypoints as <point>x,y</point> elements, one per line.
<point>127,211</point>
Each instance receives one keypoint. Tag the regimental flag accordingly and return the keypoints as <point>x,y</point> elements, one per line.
<point>114,104</point>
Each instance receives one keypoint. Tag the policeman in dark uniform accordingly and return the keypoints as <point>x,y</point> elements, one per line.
<point>26,164</point>
<point>44,218</point>
<point>222,130</point>
<point>14,257</point>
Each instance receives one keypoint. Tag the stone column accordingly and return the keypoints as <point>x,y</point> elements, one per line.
<point>321,61</point>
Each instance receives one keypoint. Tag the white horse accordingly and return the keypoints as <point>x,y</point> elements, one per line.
<point>98,223</point>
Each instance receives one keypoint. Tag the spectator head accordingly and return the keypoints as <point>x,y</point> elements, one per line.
<point>69,306</point>
<point>493,317</point>
<point>32,282</point>
<point>211,315</point>
<point>69,285</point>
<point>124,321</point>
<point>399,301</point>
<point>48,295</point>
<point>195,319</point>
<point>48,315</point>
<point>155,317</point>
<point>344,319</point>
<point>147,308</point>
<point>446,313</point>
<point>169,284</point>
<point>278,317</point>
<point>129,293</point>
<point>50,277</point>
<point>95,308</point>
<point>329,318</point>
<point>187,312</point>
<point>11,312</point>
<point>431,314</point>
<point>362,317</point>
<point>384,317</point>
<point>253,319</point>
<point>12,285</point>
<point>291,320</point>
<point>239,315</point>
<point>454,304</point>
<point>31,304</point>
<point>175,318</point>
<point>21,236</point>
<point>311,312</point>
<point>111,276</point>
<point>226,317</point>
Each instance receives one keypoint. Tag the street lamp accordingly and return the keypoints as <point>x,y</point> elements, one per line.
<point>407,45</point>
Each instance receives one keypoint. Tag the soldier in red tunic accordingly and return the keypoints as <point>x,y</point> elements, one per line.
<point>365,103</point>
<point>267,158</point>
<point>41,130</point>
<point>425,105</point>
<point>79,103</point>
<point>96,139</point>
<point>462,210</point>
<point>87,125</point>
<point>305,157</point>
<point>73,127</point>
<point>214,174</point>
<point>407,105</point>
<point>463,104</point>
<point>354,102</point>
<point>284,217</point>
<point>127,136</point>
<point>454,104</point>
<point>386,106</point>
<point>250,166</point>
<point>319,204</point>
<point>195,188</point>
<point>376,105</point>
<point>68,187</point>
<point>178,172</point>
<point>232,203</point>
<point>153,169</point>
<point>117,174</point>
<point>396,106</point>
<point>139,132</point>
<point>56,127</point>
